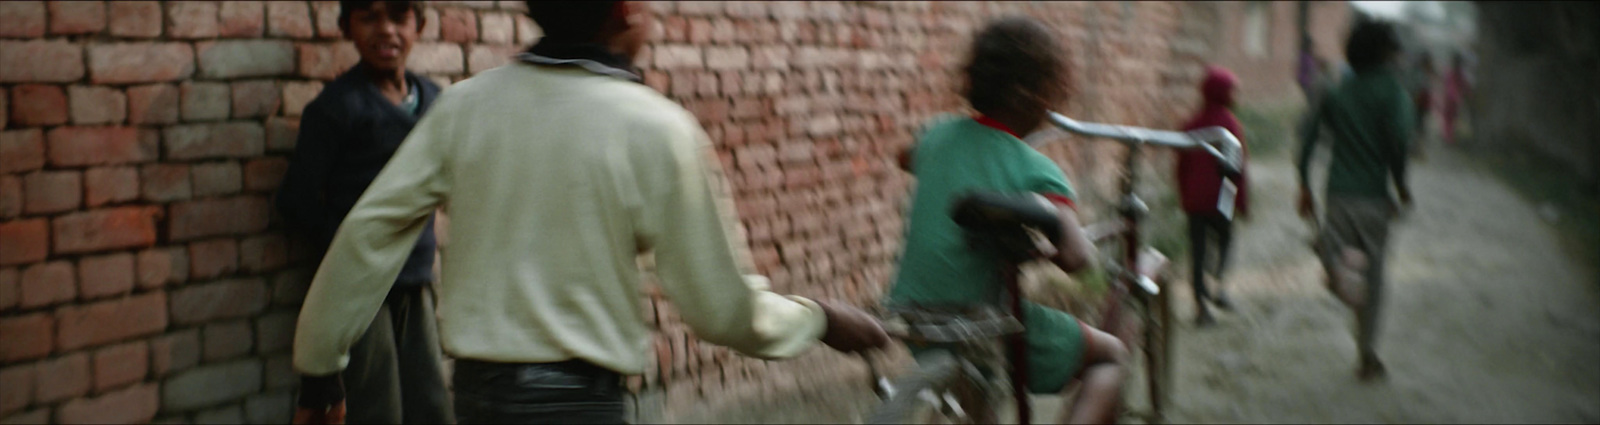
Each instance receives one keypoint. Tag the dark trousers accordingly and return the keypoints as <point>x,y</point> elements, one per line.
<point>1204,228</point>
<point>395,373</point>
<point>570,392</point>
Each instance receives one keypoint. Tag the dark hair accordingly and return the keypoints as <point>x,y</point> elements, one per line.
<point>1372,44</point>
<point>575,21</point>
<point>395,7</point>
<point>1012,61</point>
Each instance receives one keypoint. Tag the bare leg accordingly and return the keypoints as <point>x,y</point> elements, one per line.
<point>1100,396</point>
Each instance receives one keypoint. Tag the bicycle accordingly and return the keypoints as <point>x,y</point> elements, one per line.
<point>953,385</point>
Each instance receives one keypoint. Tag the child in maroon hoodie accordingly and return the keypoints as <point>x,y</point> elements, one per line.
<point>1210,198</point>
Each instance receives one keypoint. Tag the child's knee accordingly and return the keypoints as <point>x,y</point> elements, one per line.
<point>1105,348</point>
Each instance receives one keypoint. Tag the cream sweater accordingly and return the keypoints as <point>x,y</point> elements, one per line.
<point>555,180</point>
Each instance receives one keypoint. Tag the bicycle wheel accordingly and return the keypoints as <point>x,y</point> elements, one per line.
<point>940,374</point>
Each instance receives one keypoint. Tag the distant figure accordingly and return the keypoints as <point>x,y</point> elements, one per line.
<point>1309,67</point>
<point>1370,118</point>
<point>1456,86</point>
<point>1422,80</point>
<point>1207,199</point>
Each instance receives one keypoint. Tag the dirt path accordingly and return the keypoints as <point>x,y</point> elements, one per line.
<point>1487,319</point>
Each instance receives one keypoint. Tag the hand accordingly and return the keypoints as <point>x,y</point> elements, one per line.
<point>321,400</point>
<point>850,329</point>
<point>1307,206</point>
<point>332,416</point>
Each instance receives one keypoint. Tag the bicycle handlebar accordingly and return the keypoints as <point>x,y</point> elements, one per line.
<point>1227,150</point>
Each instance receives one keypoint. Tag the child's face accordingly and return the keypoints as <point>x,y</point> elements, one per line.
<point>383,34</point>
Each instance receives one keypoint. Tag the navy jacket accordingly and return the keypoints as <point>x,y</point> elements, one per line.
<point>347,134</point>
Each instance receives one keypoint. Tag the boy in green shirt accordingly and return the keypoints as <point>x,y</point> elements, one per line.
<point>1370,118</point>
<point>1016,73</point>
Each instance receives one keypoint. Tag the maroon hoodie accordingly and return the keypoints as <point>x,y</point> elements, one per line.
<point>1199,177</point>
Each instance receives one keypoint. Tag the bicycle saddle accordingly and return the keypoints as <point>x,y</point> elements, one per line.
<point>999,223</point>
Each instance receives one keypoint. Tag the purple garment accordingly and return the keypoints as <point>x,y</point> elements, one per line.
<point>1308,71</point>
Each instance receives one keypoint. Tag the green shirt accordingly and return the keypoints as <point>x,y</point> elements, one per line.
<point>954,156</point>
<point>1370,117</point>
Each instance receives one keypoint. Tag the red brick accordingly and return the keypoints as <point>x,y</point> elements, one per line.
<point>699,31</point>
<point>10,289</point>
<point>110,184</point>
<point>105,275</point>
<point>297,94</point>
<point>289,286</point>
<point>16,387</point>
<point>81,146</point>
<point>245,58</point>
<point>110,321</point>
<point>435,58</point>
<point>527,31</point>
<point>27,337</point>
<point>220,140</point>
<point>289,19</point>
<point>122,63</point>
<point>140,19</point>
<point>52,191</point>
<point>103,229</point>
<point>255,98</point>
<point>213,258</point>
<point>97,105</point>
<point>458,25</point>
<point>722,31</point>
<point>119,365</point>
<point>498,28</point>
<point>40,61</point>
<point>37,104</point>
<point>22,149</point>
<point>158,267</point>
<point>62,378</point>
<point>725,58</point>
<point>482,58</point>
<point>327,18</point>
<point>204,101</point>
<point>325,61</point>
<point>165,182</point>
<point>153,104</point>
<point>240,19</point>
<point>226,299</point>
<point>264,174</point>
<point>136,404</point>
<point>430,24</point>
<point>660,81</point>
<point>22,19</point>
<point>263,253</point>
<point>216,178</point>
<point>281,133</point>
<point>280,372</point>
<point>216,217</point>
<point>23,241</point>
<point>77,17</point>
<point>226,340</point>
<point>174,352</point>
<point>275,331</point>
<point>192,19</point>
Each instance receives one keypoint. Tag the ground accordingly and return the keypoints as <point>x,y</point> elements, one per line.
<point>1488,319</point>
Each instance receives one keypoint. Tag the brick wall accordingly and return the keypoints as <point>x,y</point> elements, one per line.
<point>1269,75</point>
<point>143,275</point>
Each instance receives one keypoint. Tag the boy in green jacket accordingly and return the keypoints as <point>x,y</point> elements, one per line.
<point>1370,118</point>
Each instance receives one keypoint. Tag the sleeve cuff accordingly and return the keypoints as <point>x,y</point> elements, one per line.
<point>1061,199</point>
